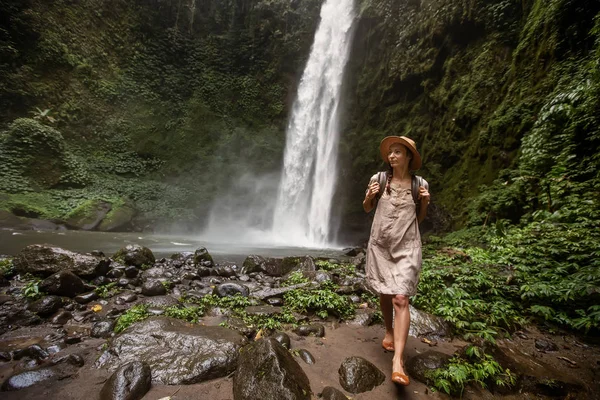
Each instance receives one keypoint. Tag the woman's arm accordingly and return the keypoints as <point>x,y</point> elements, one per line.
<point>425,198</point>
<point>372,190</point>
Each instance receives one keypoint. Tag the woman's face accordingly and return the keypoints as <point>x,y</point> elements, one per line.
<point>398,155</point>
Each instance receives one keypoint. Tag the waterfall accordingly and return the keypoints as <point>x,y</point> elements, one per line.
<point>303,209</point>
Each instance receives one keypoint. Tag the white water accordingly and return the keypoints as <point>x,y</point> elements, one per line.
<point>303,209</point>
<point>297,213</point>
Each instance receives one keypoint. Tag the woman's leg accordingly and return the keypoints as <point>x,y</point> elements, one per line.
<point>385,302</point>
<point>401,325</point>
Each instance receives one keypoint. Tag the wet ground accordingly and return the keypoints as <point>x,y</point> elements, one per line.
<point>340,342</point>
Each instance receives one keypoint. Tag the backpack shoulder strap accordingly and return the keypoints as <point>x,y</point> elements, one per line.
<point>414,188</point>
<point>382,180</point>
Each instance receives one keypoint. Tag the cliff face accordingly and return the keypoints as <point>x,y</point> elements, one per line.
<point>161,102</point>
<point>469,81</point>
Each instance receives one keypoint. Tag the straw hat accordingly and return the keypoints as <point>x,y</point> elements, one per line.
<point>384,148</point>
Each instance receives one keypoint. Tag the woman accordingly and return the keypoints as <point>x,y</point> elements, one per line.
<point>394,250</point>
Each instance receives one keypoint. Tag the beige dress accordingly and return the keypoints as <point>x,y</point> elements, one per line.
<point>394,250</point>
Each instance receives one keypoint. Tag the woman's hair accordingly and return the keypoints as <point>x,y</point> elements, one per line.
<point>391,171</point>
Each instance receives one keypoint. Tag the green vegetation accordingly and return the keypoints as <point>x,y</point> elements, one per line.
<point>295,278</point>
<point>31,289</point>
<point>473,367</point>
<point>323,302</point>
<point>7,268</point>
<point>189,314</point>
<point>136,313</point>
<point>108,290</point>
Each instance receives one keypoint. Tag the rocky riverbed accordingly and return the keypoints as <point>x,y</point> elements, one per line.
<point>128,326</point>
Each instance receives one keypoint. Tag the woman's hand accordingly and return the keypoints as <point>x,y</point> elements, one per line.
<point>424,195</point>
<point>372,191</point>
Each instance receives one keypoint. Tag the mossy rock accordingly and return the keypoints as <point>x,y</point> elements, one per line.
<point>89,214</point>
<point>118,218</point>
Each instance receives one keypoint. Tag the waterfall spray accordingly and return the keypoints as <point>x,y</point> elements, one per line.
<point>303,209</point>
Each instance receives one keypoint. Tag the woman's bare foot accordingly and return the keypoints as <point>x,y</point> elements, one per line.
<point>398,365</point>
<point>388,341</point>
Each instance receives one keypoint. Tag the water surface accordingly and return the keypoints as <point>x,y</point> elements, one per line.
<point>11,242</point>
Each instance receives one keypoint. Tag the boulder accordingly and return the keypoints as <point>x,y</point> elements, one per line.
<point>420,365</point>
<point>331,393</point>
<point>306,356</point>
<point>266,293</point>
<point>267,371</point>
<point>46,306</point>
<point>63,283</point>
<point>177,352</point>
<point>276,266</point>
<point>231,289</point>
<point>118,218</point>
<point>203,258</point>
<point>160,301</point>
<point>45,260</point>
<point>130,382</point>
<point>283,339</point>
<point>317,330</point>
<point>135,255</point>
<point>28,378</point>
<point>425,324</point>
<point>153,288</point>
<point>358,375</point>
<point>88,214</point>
<point>102,329</point>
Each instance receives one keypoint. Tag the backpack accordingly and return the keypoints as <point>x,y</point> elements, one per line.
<point>416,181</point>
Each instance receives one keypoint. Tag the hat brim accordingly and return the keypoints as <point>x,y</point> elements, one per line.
<point>384,149</point>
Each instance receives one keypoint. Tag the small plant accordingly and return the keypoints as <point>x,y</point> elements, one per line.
<point>134,314</point>
<point>189,314</point>
<point>31,289</point>
<point>322,301</point>
<point>474,367</point>
<point>294,278</point>
<point>43,115</point>
<point>108,290</point>
<point>6,268</point>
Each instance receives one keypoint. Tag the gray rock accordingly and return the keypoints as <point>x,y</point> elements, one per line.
<point>135,255</point>
<point>267,371</point>
<point>274,301</point>
<point>231,289</point>
<point>63,283</point>
<point>46,306</point>
<point>62,318</point>
<point>160,301</point>
<point>331,393</point>
<point>363,317</point>
<point>225,271</point>
<point>27,379</point>
<point>267,293</point>
<point>543,345</point>
<point>45,260</point>
<point>283,339</point>
<point>102,329</point>
<point>153,288</point>
<point>131,272</point>
<point>34,352</point>
<point>417,367</point>
<point>358,375</point>
<point>202,257</point>
<point>166,343</point>
<point>130,382</point>
<point>306,356</point>
<point>425,324</point>
<point>262,310</point>
<point>128,297</point>
<point>317,330</point>
<point>86,297</point>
